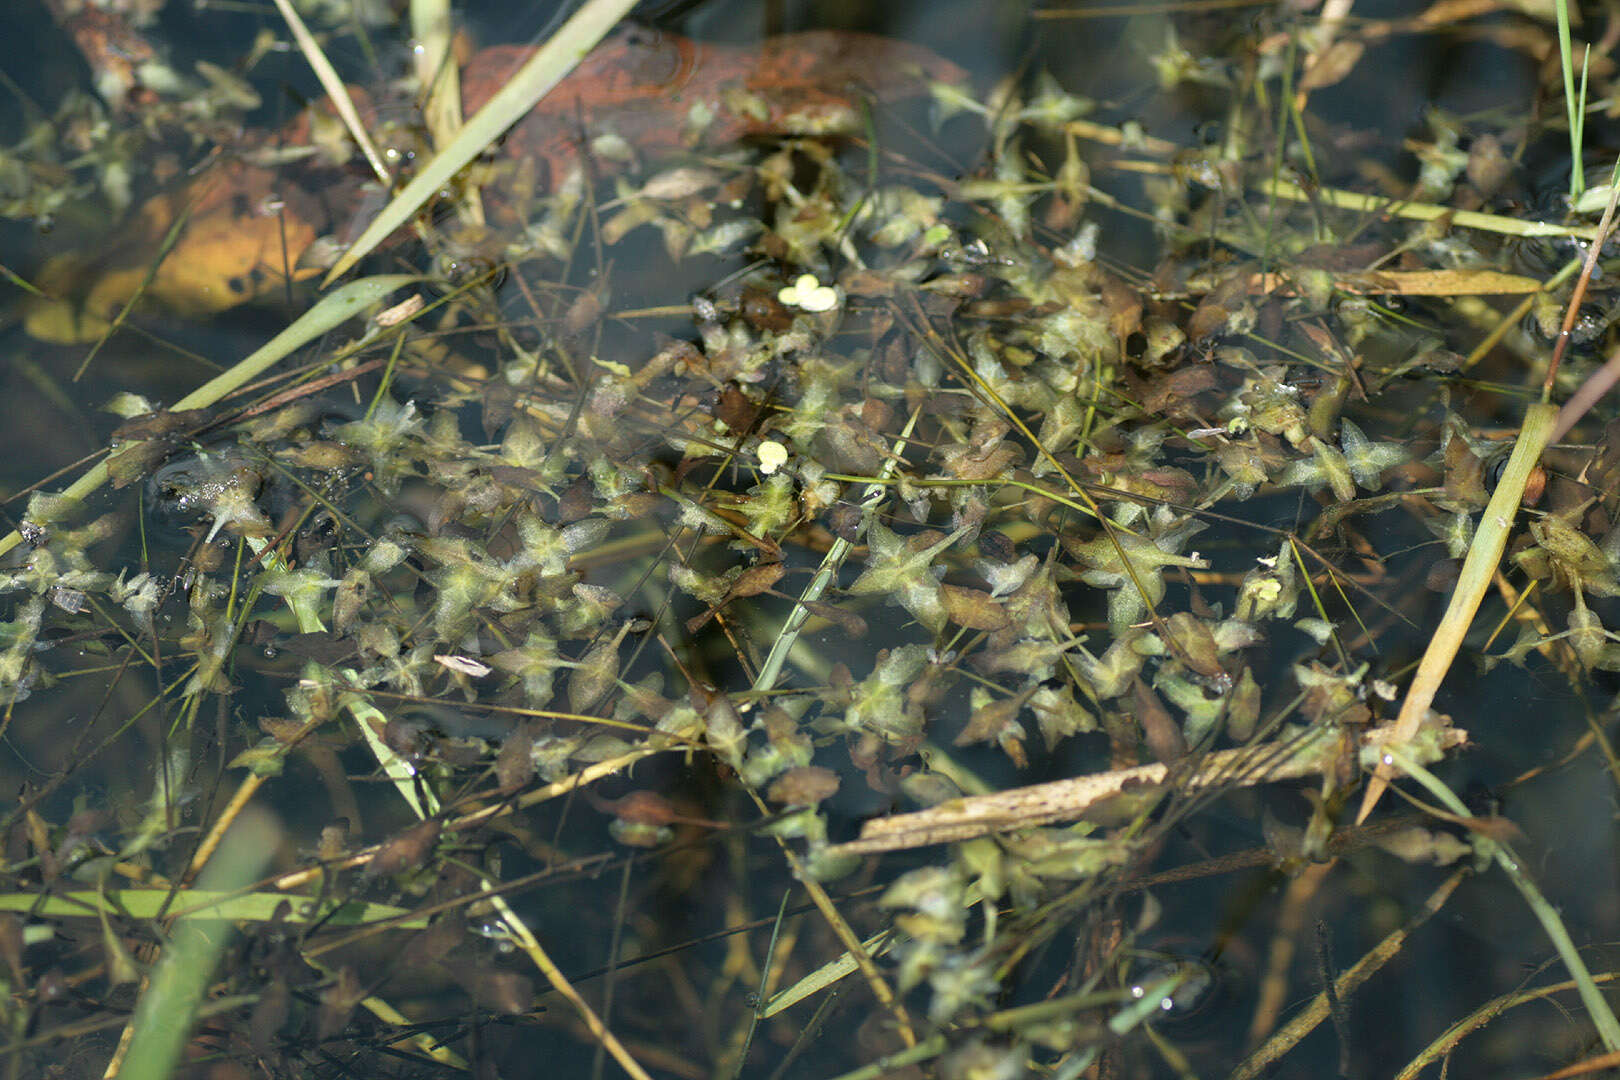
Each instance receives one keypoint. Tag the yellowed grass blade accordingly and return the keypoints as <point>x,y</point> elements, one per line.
<point>1490,540</point>
<point>1420,211</point>
<point>440,79</point>
<point>1412,283</point>
<point>335,90</point>
<point>533,81</point>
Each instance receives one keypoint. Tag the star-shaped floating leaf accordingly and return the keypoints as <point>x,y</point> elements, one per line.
<point>534,662</point>
<point>1457,530</point>
<point>895,562</point>
<point>303,586</point>
<point>1007,577</point>
<point>1366,459</point>
<point>1325,466</point>
<point>1139,586</point>
<point>878,703</point>
<point>1243,460</point>
<point>1145,554</point>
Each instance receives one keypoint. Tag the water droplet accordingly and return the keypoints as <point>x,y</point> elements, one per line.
<point>1194,991</point>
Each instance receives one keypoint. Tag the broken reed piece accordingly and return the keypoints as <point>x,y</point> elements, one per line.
<point>1068,800</point>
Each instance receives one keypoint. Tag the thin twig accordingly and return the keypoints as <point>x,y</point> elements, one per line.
<point>1066,800</point>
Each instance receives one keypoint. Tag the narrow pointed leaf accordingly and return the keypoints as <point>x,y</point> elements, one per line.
<point>554,60</point>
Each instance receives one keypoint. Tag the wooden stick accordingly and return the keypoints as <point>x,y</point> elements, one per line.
<point>1067,800</point>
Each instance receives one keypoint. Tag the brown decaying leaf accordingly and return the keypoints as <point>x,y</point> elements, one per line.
<point>734,409</point>
<point>153,425</point>
<point>514,765</point>
<point>135,462</point>
<point>756,579</point>
<point>849,623</point>
<point>1195,644</point>
<point>499,404</point>
<point>640,807</point>
<point>1164,392</point>
<point>11,947</point>
<point>1124,306</point>
<point>991,723</point>
<point>980,462</point>
<point>997,546</point>
<point>1332,65</point>
<point>349,599</point>
<point>1442,575</point>
<point>763,312</point>
<point>584,313</point>
<point>751,582</point>
<point>1464,474</point>
<point>1243,707</point>
<point>844,520</point>
<point>406,737</point>
<point>406,850</point>
<point>973,608</point>
<point>319,454</point>
<point>1419,845</point>
<point>269,1017</point>
<point>506,992</point>
<point>447,933</point>
<point>1217,306</point>
<point>337,1004</point>
<point>1502,830</point>
<point>1488,167</point>
<point>804,786</point>
<point>1159,729</point>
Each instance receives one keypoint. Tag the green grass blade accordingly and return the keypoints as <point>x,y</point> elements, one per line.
<point>166,1011</point>
<point>1572,104</point>
<point>149,903</point>
<point>1596,1005</point>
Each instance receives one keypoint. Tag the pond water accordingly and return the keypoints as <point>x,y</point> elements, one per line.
<point>889,407</point>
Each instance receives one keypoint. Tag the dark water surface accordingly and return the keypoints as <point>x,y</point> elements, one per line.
<point>683,1011</point>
